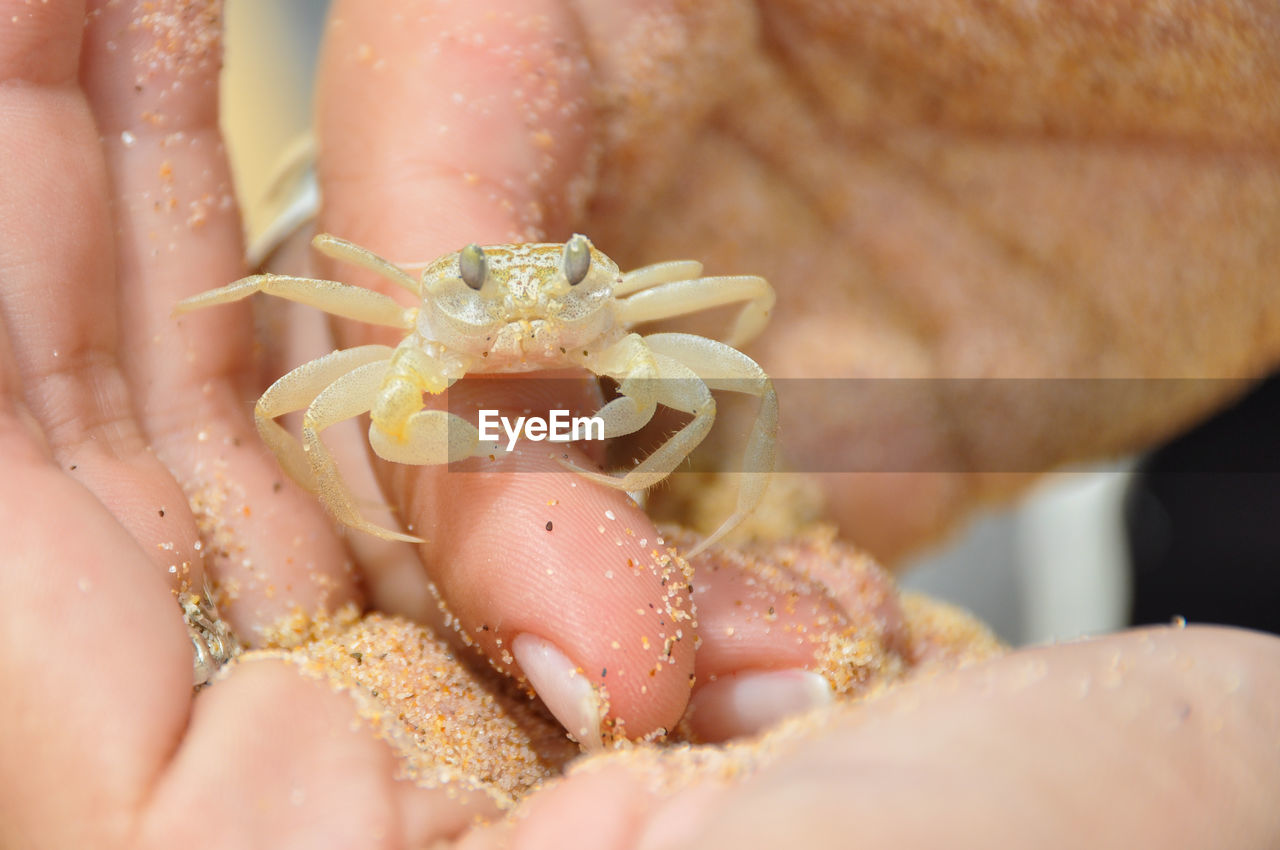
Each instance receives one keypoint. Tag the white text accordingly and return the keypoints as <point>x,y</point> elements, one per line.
<point>557,427</point>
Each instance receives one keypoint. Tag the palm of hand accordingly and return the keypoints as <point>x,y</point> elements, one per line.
<point>958,191</point>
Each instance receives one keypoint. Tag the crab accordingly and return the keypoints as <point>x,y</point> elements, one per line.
<point>513,308</point>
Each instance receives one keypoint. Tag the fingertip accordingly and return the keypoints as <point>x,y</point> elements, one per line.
<point>754,613</point>
<point>544,553</point>
<point>786,628</point>
<point>747,703</point>
<point>292,760</point>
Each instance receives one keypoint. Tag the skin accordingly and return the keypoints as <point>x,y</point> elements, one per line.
<point>110,413</point>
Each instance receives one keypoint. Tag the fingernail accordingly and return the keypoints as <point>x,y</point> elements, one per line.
<point>562,687</point>
<point>746,703</point>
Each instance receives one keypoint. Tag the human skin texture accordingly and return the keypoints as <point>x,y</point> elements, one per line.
<point>114,417</point>
<point>938,191</point>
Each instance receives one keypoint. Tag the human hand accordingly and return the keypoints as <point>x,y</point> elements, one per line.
<point>937,191</point>
<point>97,717</point>
<point>1162,737</point>
<point>118,205</point>
<point>669,177</point>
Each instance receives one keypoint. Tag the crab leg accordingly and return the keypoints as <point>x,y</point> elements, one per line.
<point>671,384</point>
<point>431,437</point>
<point>340,299</point>
<point>402,431</point>
<point>630,362</point>
<point>349,252</point>
<point>724,368</point>
<point>680,297</point>
<point>347,397</point>
<point>647,276</point>
<point>298,389</point>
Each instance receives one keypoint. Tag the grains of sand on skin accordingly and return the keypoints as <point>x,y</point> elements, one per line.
<point>465,727</point>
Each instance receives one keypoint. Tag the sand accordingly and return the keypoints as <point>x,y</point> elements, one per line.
<point>454,721</point>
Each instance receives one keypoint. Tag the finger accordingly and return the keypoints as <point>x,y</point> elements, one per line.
<point>95,673</point>
<point>454,126</point>
<point>528,549</point>
<point>58,302</point>
<point>1160,737</point>
<point>151,76</point>
<point>1157,738</point>
<point>788,629</point>
<point>279,760</point>
<point>95,664</point>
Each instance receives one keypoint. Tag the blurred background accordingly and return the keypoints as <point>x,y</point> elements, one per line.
<point>1191,530</point>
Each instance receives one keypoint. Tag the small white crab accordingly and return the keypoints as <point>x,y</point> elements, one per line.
<point>513,308</point>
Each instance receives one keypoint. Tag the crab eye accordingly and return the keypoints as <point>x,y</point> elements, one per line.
<point>473,266</point>
<point>577,259</point>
